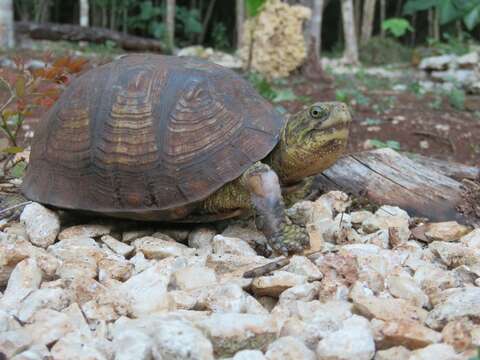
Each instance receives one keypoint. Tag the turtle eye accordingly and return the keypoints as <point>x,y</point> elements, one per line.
<point>318,112</point>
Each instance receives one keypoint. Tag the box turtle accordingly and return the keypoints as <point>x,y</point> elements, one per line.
<point>163,138</point>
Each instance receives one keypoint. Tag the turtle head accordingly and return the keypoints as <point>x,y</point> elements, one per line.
<point>312,140</point>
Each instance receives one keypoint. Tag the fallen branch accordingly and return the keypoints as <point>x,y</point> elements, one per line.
<point>52,31</point>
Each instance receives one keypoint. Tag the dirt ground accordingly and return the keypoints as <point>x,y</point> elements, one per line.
<point>442,132</point>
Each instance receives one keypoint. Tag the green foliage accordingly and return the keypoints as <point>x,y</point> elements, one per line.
<point>378,144</point>
<point>378,51</point>
<point>436,103</point>
<point>269,91</point>
<point>397,26</point>
<point>254,7</point>
<point>449,10</point>
<point>150,20</point>
<point>456,98</point>
<point>415,88</point>
<point>384,104</point>
<point>18,169</point>
<point>188,20</point>
<point>477,357</point>
<point>372,122</point>
<point>450,45</point>
<point>349,95</point>
<point>219,36</point>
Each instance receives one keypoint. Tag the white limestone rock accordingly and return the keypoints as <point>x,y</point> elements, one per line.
<point>82,347</point>
<point>435,352</point>
<point>24,279</point>
<point>201,239</point>
<point>117,246</point>
<point>192,277</point>
<point>289,348</point>
<point>228,245</point>
<point>354,341</point>
<point>47,298</point>
<point>42,225</point>
<point>84,231</point>
<point>454,304</point>
<point>230,333</point>
<point>275,284</point>
<point>178,339</point>
<point>155,248</point>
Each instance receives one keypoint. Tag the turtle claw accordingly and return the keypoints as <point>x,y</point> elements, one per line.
<point>291,239</point>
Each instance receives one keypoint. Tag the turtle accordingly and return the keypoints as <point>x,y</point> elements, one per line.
<point>172,139</point>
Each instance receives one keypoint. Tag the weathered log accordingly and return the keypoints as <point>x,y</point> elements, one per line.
<point>52,31</point>
<point>449,168</point>
<point>386,177</point>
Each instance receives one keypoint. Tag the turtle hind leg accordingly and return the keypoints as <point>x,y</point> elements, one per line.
<point>266,198</point>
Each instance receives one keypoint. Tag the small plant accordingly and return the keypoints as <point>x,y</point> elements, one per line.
<point>450,44</point>
<point>378,144</point>
<point>352,95</point>
<point>27,91</point>
<point>477,357</point>
<point>384,104</point>
<point>219,36</point>
<point>269,91</point>
<point>416,88</point>
<point>381,51</point>
<point>456,98</point>
<point>436,103</point>
<point>150,20</point>
<point>397,26</point>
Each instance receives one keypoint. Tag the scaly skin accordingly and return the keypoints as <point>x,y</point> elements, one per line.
<point>310,142</point>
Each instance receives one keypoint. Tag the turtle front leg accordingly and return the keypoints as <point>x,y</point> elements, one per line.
<point>266,198</point>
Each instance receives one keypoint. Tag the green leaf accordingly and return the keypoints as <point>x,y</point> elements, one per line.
<point>448,11</point>
<point>20,86</point>
<point>378,144</point>
<point>456,98</point>
<point>397,26</point>
<point>19,169</point>
<point>413,6</point>
<point>284,95</point>
<point>13,150</point>
<point>254,7</point>
<point>472,18</point>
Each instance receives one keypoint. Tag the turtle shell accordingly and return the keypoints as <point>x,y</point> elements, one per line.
<point>147,134</point>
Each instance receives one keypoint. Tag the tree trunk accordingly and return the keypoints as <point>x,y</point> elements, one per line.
<point>351,47</point>
<point>358,15</point>
<point>84,10</point>
<point>436,24</point>
<point>383,14</point>
<point>124,19</point>
<point>239,20</point>
<point>206,20</point>
<point>367,22</point>
<point>7,39</point>
<point>104,16</point>
<point>316,26</point>
<point>42,11</point>
<point>113,14</point>
<point>170,21</point>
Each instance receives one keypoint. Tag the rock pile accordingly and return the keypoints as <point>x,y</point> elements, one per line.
<point>379,287</point>
<point>463,71</point>
<point>216,56</point>
<point>279,46</point>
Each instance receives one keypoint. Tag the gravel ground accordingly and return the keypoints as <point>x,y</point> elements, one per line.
<point>373,286</point>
